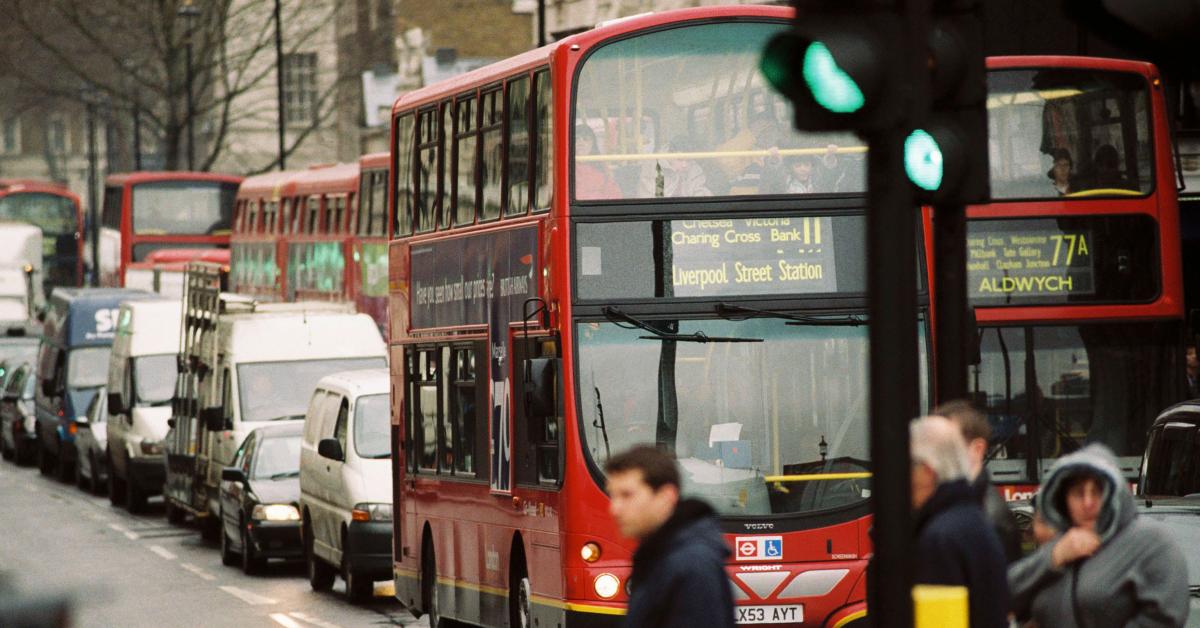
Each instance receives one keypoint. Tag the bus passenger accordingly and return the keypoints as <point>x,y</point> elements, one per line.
<point>1107,165</point>
<point>1060,173</point>
<point>592,180</point>
<point>678,578</point>
<point>671,176</point>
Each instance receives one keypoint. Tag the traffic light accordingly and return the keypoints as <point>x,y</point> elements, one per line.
<point>842,69</point>
<point>946,154</point>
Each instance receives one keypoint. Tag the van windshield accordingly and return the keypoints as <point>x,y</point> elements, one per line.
<point>372,427</point>
<point>87,367</point>
<point>272,391</point>
<point>154,378</point>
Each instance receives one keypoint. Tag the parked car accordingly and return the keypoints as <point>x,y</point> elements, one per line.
<point>1181,518</point>
<point>259,499</point>
<point>1171,464</point>
<point>91,441</point>
<point>346,481</point>
<point>18,430</point>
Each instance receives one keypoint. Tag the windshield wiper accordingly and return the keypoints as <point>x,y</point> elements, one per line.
<point>286,417</point>
<point>625,321</point>
<point>286,474</point>
<point>731,312</point>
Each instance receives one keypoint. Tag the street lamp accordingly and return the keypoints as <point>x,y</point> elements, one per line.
<point>87,93</point>
<point>189,13</point>
<point>279,83</point>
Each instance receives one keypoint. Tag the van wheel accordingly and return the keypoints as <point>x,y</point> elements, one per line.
<point>45,461</point>
<point>429,590</point>
<point>7,452</point>
<point>135,499</point>
<point>359,588</point>
<point>320,575</point>
<point>66,468</point>
<point>116,488</point>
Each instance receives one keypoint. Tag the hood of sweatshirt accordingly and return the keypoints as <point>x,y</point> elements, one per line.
<point>1117,508</point>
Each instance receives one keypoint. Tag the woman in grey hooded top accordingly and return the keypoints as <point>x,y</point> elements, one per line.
<point>1106,567</point>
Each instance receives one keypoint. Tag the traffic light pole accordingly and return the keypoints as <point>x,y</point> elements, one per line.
<point>895,389</point>
<point>950,300</point>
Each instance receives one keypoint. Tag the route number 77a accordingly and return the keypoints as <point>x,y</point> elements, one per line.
<point>1076,245</point>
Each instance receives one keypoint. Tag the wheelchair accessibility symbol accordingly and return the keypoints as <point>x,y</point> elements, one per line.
<point>759,547</point>
<point>773,548</point>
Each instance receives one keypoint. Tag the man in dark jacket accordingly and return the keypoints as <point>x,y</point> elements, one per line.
<point>955,544</point>
<point>977,433</point>
<point>678,576</point>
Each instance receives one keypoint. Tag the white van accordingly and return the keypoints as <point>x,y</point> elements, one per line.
<point>21,295</point>
<point>346,481</point>
<point>141,381</point>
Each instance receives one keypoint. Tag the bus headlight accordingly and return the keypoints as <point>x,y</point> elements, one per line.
<point>590,552</point>
<point>606,585</point>
<point>275,512</point>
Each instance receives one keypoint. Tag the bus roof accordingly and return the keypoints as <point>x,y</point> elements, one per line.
<point>1067,61</point>
<point>375,160</point>
<point>269,184</point>
<point>338,178</point>
<point>13,186</point>
<point>147,176</point>
<point>581,41</point>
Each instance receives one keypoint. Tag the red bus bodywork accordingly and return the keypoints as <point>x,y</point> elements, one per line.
<point>118,220</point>
<point>65,267</point>
<point>259,218</point>
<point>476,539</point>
<point>368,262</point>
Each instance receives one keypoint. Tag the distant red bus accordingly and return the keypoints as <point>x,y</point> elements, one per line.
<point>149,211</point>
<point>162,271</point>
<point>308,235</point>
<point>1074,267</point>
<point>614,240</point>
<point>57,212</point>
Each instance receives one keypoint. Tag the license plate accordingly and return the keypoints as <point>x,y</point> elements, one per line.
<point>788,614</point>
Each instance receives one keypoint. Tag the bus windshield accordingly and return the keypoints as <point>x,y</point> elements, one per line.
<point>758,426</point>
<point>1050,389</point>
<point>686,112</point>
<point>55,215</point>
<point>182,207</point>
<point>1058,132</point>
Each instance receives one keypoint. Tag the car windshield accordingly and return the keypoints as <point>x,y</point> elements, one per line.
<point>87,367</point>
<point>686,112</point>
<point>52,213</point>
<point>281,390</point>
<point>755,425</point>
<point>1063,132</point>
<point>182,207</point>
<point>372,426</point>
<point>277,456</point>
<point>154,376</point>
<point>1184,527</point>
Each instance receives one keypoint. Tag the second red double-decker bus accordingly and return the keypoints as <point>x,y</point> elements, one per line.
<point>149,211</point>
<point>56,211</point>
<point>617,240</point>
<point>1074,268</point>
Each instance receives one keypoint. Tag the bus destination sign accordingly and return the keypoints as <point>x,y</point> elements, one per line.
<point>1028,259</point>
<point>751,256</point>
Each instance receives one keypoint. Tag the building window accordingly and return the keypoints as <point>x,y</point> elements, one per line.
<point>12,136</point>
<point>56,135</point>
<point>300,87</point>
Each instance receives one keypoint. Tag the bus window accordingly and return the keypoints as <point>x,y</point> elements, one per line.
<point>492,117</point>
<point>426,415</point>
<point>404,157</point>
<point>112,208</point>
<point>466,130</point>
<point>252,216</point>
<point>427,172</point>
<point>378,215</point>
<point>543,182</point>
<point>1063,132</point>
<point>362,214</point>
<point>182,207</point>
<point>338,214</point>
<point>463,404</point>
<point>314,213</point>
<point>518,147</point>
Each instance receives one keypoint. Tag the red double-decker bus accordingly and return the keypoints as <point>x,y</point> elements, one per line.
<point>149,211</point>
<point>316,234</point>
<point>1074,268</point>
<point>57,212</point>
<point>615,240</point>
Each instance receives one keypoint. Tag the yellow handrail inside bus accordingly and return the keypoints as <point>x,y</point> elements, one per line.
<point>722,154</point>
<point>818,477</point>
<point>1102,192</point>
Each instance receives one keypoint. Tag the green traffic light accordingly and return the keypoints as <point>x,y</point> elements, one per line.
<point>831,87</point>
<point>923,160</point>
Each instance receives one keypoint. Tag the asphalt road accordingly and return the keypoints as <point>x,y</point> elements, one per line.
<point>138,570</point>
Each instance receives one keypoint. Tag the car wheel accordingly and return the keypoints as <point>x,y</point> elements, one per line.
<point>80,481</point>
<point>97,485</point>
<point>228,556</point>
<point>429,590</point>
<point>135,499</point>
<point>252,563</point>
<point>116,488</point>
<point>45,461</point>
<point>24,451</point>
<point>320,575</point>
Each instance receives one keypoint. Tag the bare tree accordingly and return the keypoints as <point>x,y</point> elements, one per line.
<point>132,56</point>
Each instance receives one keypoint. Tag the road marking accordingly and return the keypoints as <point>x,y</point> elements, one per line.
<point>313,620</point>
<point>247,597</point>
<point>284,620</point>
<point>132,536</point>
<point>198,571</point>
<point>162,551</point>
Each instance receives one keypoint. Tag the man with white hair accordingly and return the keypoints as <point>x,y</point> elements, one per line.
<point>955,543</point>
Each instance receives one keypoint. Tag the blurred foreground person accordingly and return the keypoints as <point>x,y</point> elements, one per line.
<point>678,578</point>
<point>1107,566</point>
<point>955,544</point>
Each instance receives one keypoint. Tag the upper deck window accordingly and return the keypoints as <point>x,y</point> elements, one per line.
<point>182,207</point>
<point>1062,132</point>
<point>54,214</point>
<point>685,112</point>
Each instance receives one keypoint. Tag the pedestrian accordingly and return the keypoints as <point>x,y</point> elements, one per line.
<point>977,434</point>
<point>1107,566</point>
<point>1192,369</point>
<point>678,578</point>
<point>955,545</point>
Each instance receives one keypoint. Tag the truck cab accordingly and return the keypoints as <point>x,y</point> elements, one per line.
<point>21,296</point>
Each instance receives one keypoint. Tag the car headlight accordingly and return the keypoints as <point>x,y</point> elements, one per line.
<point>151,448</point>
<point>371,512</point>
<point>275,512</point>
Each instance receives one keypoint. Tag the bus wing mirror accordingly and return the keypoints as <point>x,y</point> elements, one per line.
<point>540,385</point>
<point>213,418</point>
<point>974,356</point>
